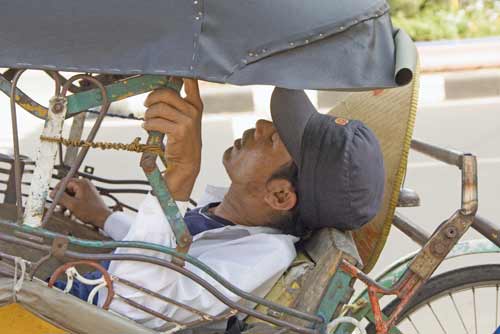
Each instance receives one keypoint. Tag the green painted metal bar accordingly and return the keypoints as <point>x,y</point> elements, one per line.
<point>160,190</point>
<point>338,293</point>
<point>111,245</point>
<point>167,203</point>
<point>394,273</point>
<point>118,91</point>
<point>92,98</point>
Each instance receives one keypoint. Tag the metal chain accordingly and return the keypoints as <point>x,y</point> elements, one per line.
<point>134,146</point>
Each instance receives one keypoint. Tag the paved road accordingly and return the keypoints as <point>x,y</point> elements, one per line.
<point>469,126</point>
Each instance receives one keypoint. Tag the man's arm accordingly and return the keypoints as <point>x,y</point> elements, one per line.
<point>84,201</point>
<point>180,120</point>
<point>253,263</point>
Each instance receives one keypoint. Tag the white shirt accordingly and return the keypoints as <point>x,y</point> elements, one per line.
<point>251,258</point>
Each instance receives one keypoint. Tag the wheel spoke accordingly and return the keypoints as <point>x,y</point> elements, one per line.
<point>474,304</point>
<point>412,324</point>
<point>459,314</point>
<point>437,319</point>
<point>496,308</point>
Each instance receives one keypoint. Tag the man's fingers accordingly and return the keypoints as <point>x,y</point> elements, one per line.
<point>168,96</point>
<point>160,125</point>
<point>163,110</point>
<point>68,201</point>
<point>193,93</point>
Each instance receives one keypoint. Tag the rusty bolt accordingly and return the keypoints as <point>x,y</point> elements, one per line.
<point>58,107</point>
<point>451,232</point>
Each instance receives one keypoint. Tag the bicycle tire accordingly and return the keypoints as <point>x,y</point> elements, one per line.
<point>453,280</point>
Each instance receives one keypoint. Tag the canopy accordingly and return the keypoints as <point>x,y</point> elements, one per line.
<point>318,44</point>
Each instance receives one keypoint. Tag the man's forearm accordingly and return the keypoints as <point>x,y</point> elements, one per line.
<point>180,181</point>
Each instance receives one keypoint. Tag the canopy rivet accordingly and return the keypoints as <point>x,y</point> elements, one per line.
<point>197,18</point>
<point>264,50</point>
<point>251,54</point>
<point>320,35</point>
<point>342,28</point>
<point>195,2</point>
<point>292,43</point>
<point>307,41</point>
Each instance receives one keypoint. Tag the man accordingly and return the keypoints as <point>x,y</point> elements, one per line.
<point>304,172</point>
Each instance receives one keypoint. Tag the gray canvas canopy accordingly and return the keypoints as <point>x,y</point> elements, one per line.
<point>314,44</point>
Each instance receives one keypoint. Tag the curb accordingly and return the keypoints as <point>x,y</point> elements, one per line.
<point>434,88</point>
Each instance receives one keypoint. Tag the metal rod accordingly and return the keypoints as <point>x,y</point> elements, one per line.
<point>74,134</point>
<point>148,246</point>
<point>143,308</point>
<point>448,156</point>
<point>84,150</point>
<point>412,230</point>
<point>128,283</point>
<point>469,185</point>
<point>15,137</point>
<point>488,229</point>
<point>163,263</point>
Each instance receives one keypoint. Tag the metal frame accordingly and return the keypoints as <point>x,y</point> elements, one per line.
<point>407,276</point>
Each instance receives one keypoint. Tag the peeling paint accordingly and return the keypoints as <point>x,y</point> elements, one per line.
<point>45,160</point>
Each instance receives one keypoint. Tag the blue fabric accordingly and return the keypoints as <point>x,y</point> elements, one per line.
<point>497,331</point>
<point>197,220</point>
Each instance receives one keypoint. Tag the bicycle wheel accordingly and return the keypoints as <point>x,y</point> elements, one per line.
<point>464,300</point>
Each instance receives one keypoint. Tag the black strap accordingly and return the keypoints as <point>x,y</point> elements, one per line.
<point>234,325</point>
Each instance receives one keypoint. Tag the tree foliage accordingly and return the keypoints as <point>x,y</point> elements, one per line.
<point>427,20</point>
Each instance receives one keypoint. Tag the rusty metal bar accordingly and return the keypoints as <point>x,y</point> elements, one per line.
<point>45,161</point>
<point>404,289</point>
<point>469,185</point>
<point>147,310</point>
<point>83,152</point>
<point>440,244</point>
<point>74,134</point>
<point>412,230</point>
<point>163,263</point>
<point>488,229</point>
<point>130,284</point>
<point>169,206</point>
<point>109,245</point>
<point>11,191</point>
<point>448,156</point>
<point>15,138</point>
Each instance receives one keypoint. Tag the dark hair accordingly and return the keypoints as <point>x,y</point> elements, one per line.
<point>289,223</point>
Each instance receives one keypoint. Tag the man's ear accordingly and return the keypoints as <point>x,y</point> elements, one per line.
<point>280,195</point>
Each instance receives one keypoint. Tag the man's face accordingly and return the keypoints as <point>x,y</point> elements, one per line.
<point>256,156</point>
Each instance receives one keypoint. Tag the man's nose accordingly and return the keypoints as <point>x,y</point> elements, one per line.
<point>263,128</point>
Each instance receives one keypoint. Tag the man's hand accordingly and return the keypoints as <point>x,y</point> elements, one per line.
<point>85,203</point>
<point>180,119</point>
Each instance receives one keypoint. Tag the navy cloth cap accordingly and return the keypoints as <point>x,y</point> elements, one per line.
<point>341,172</point>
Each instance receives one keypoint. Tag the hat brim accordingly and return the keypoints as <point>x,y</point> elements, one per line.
<point>290,111</point>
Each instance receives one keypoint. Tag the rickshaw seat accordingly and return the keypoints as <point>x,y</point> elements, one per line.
<point>306,280</point>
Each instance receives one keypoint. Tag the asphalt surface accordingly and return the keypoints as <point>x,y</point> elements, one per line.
<point>464,125</point>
